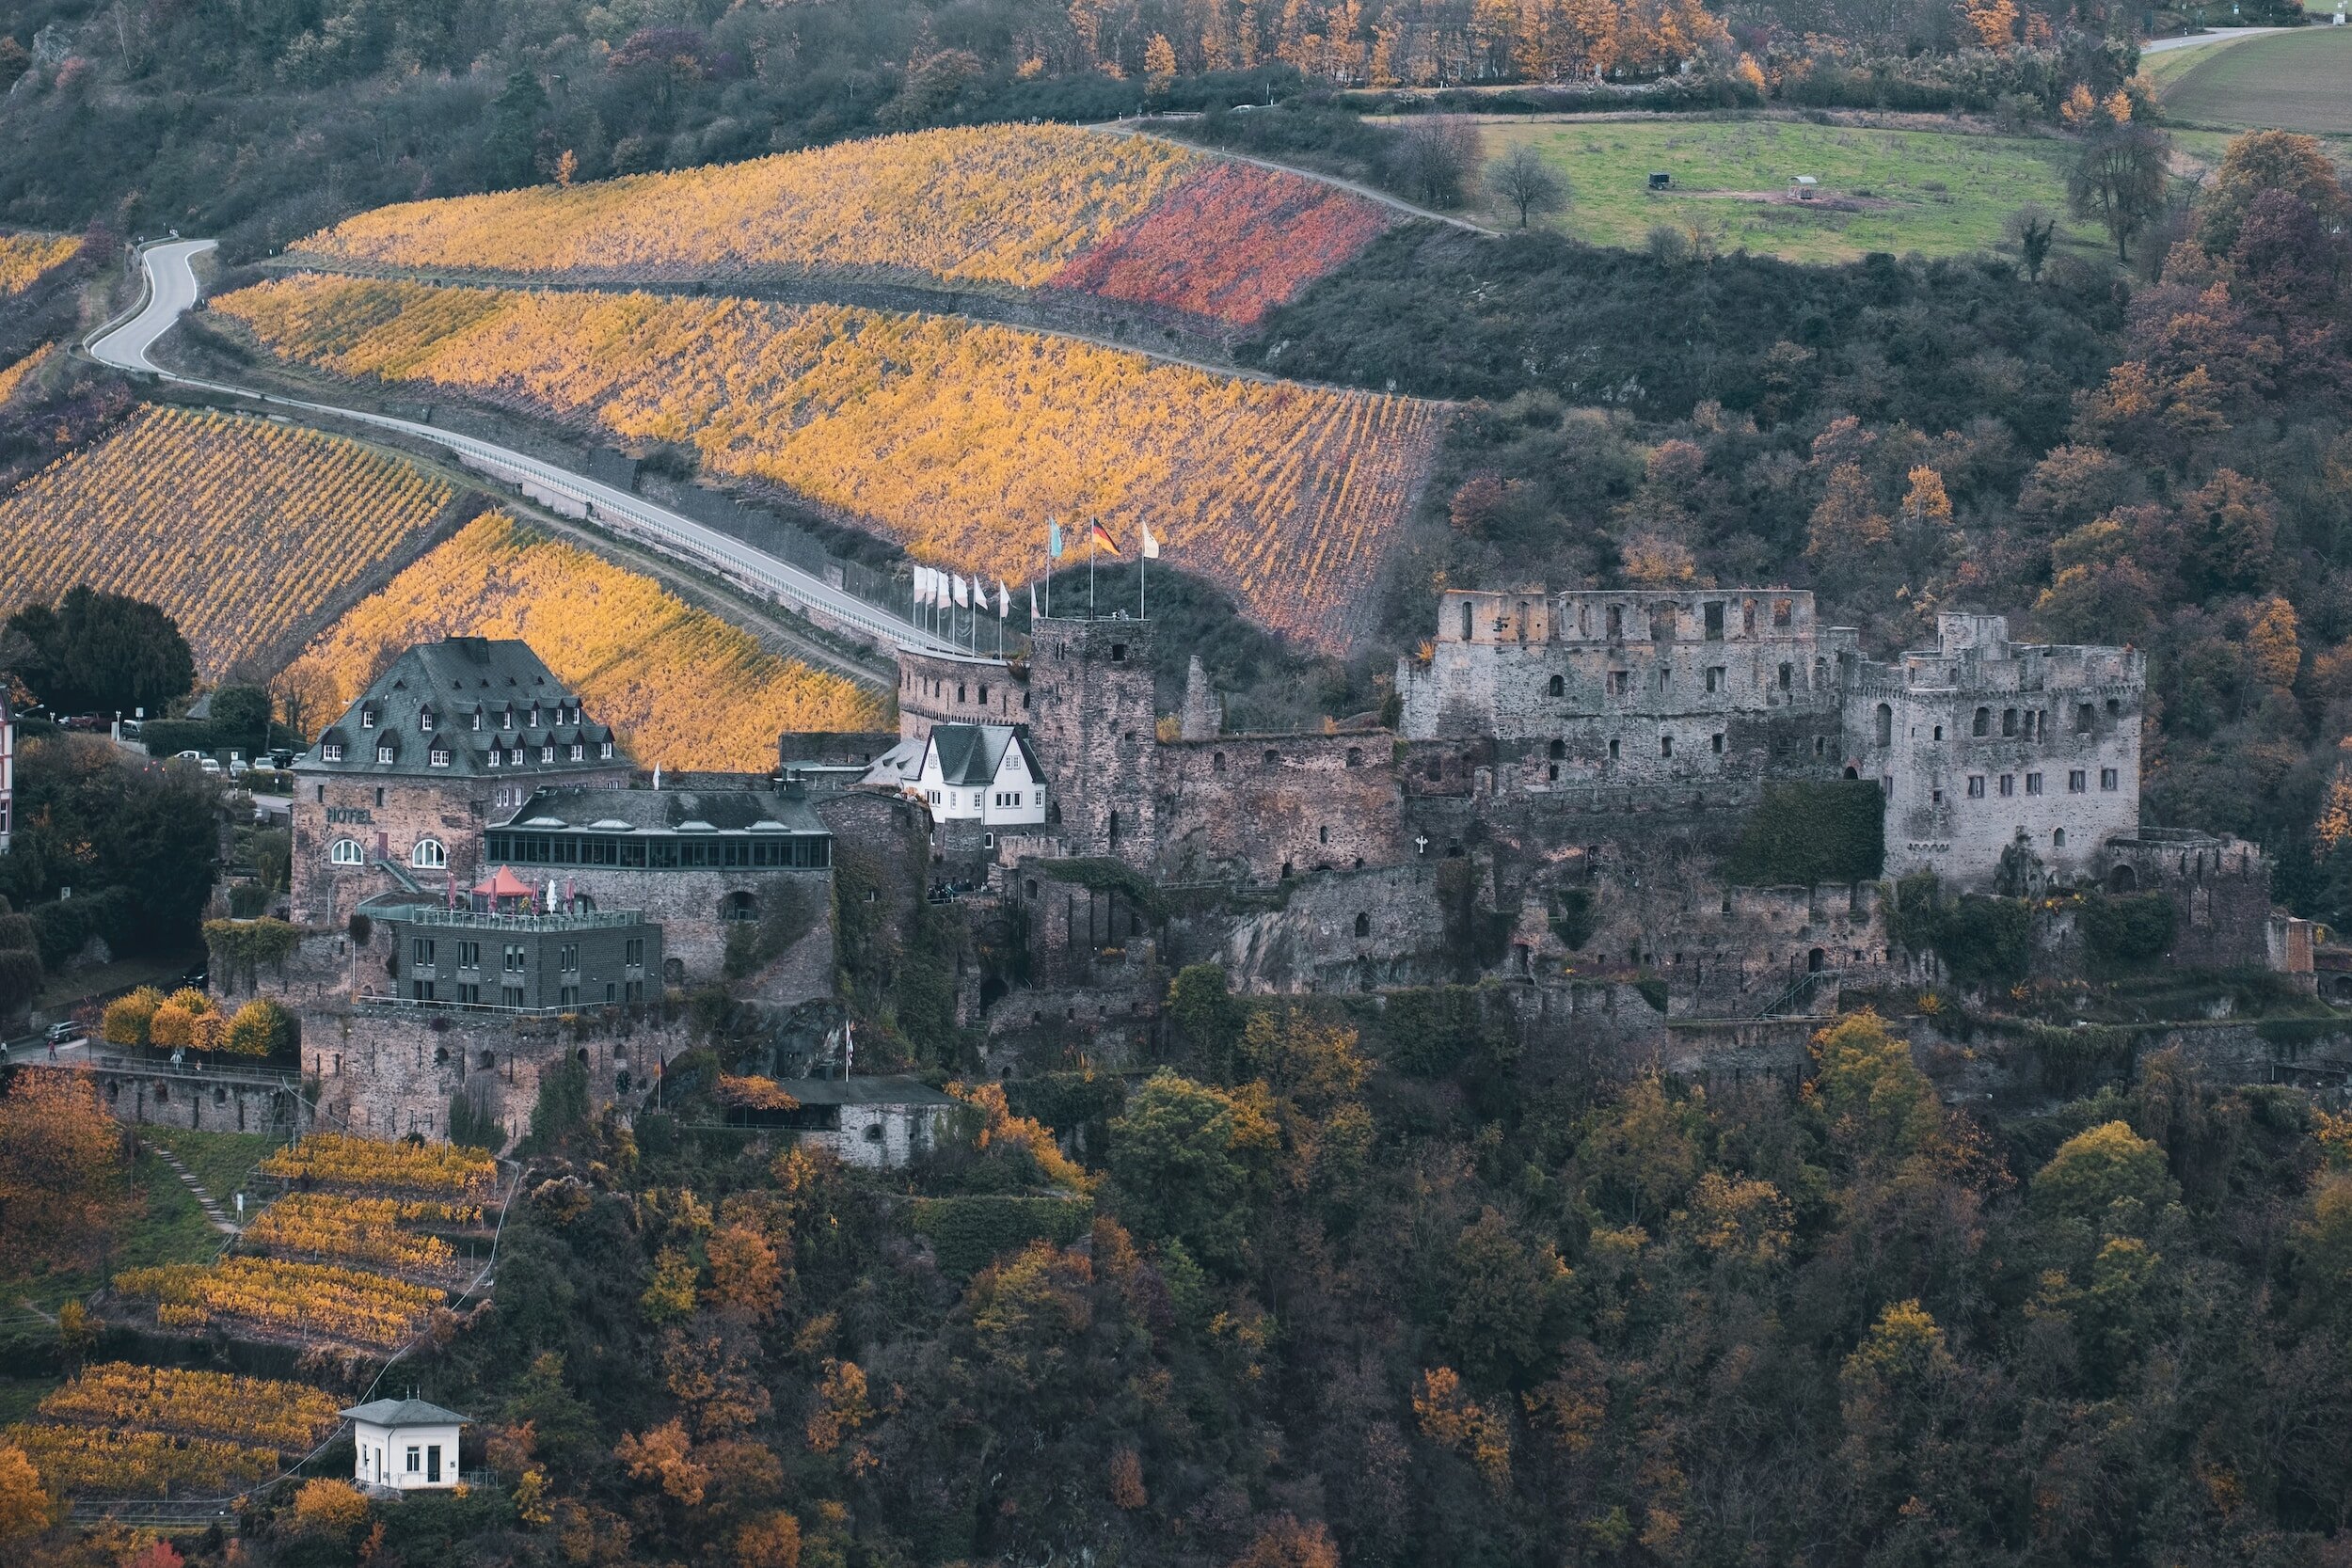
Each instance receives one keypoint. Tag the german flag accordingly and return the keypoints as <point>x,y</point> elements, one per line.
<point>1102,541</point>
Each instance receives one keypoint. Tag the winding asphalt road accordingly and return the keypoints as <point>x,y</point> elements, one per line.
<point>172,289</point>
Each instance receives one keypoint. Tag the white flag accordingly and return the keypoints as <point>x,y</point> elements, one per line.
<point>963,591</point>
<point>1033,615</point>
<point>923,585</point>
<point>1004,600</point>
<point>1151,545</point>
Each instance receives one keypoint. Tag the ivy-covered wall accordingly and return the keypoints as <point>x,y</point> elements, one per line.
<point>1804,833</point>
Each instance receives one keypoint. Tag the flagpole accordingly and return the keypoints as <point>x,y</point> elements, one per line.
<point>1139,583</point>
<point>1094,547</point>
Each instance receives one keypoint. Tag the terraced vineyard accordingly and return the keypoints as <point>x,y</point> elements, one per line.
<point>24,257</point>
<point>956,439</point>
<point>239,527</point>
<point>687,689</point>
<point>117,1430</point>
<point>1013,206</point>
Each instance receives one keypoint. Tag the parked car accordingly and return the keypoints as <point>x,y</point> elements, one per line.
<point>187,756</point>
<point>212,768</point>
<point>67,1033</point>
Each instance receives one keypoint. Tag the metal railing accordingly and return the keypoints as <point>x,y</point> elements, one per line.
<point>372,1002</point>
<point>431,914</point>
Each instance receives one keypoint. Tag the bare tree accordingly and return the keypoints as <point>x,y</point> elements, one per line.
<point>1433,157</point>
<point>1521,177</point>
<point>2120,178</point>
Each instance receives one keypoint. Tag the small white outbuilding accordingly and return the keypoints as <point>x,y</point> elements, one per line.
<point>404,1444</point>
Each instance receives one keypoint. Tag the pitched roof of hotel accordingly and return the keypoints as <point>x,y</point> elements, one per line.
<point>483,696</point>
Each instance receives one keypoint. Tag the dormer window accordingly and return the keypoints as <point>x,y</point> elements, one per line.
<point>604,751</point>
<point>477,719</point>
<point>580,752</point>
<point>331,750</point>
<point>383,753</point>
<point>494,756</point>
<point>424,720</point>
<point>506,720</point>
<point>367,718</point>
<point>534,717</point>
<point>439,756</point>
<point>546,753</point>
<point>515,756</point>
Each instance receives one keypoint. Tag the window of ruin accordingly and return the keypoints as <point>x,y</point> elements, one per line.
<point>1939,732</point>
<point>2033,783</point>
<point>1713,615</point>
<point>1821,746</point>
<point>1662,623</point>
<point>1113,829</point>
<point>1620,682</point>
<point>1887,785</point>
<point>1559,687</point>
<point>1436,768</point>
<point>1119,652</point>
<point>1717,741</point>
<point>1616,622</point>
<point>1559,750</point>
<point>1784,614</point>
<point>1363,925</point>
<point>1273,759</point>
<point>1937,796</point>
<point>1976,787</point>
<point>2077,781</point>
<point>2008,720</point>
<point>1612,750</point>
<point>1788,678</point>
<point>1665,745</point>
<point>1355,757</point>
<point>1467,612</point>
<point>2106,778</point>
<point>2058,838</point>
<point>1286,871</point>
<point>983,696</point>
<point>1216,762</point>
<point>1551,772</point>
<point>2008,783</point>
<point>1716,675</point>
<point>2114,708</point>
<point>1983,723</point>
<point>1851,771</point>
<point>1886,725</point>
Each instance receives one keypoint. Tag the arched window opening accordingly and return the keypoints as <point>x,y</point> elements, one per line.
<point>429,855</point>
<point>347,852</point>
<point>739,906</point>
<point>1363,925</point>
<point>1983,724</point>
<point>1887,724</point>
<point>1559,687</point>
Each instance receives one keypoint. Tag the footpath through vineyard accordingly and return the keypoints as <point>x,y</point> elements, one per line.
<point>369,1247</point>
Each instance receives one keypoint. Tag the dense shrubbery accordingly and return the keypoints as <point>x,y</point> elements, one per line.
<point>136,845</point>
<point>1801,834</point>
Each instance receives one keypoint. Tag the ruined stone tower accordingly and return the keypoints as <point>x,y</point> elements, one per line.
<point>1092,723</point>
<point>1203,715</point>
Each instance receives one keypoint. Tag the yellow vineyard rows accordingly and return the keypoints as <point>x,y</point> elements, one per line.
<point>14,375</point>
<point>84,1461</point>
<point>342,1160</point>
<point>688,689</point>
<point>301,1300</point>
<point>999,204</point>
<point>290,1418</point>
<point>240,529</point>
<point>24,257</point>
<point>957,439</point>
<point>353,1229</point>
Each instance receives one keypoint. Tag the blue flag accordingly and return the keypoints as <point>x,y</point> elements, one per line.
<point>1053,539</point>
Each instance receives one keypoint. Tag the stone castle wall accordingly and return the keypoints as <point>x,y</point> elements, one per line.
<point>1259,808</point>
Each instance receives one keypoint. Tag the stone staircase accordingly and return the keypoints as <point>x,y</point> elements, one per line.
<point>214,1214</point>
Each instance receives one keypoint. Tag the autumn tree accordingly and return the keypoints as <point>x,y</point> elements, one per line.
<point>2263,161</point>
<point>1434,157</point>
<point>26,1508</point>
<point>1190,1163</point>
<point>1846,527</point>
<point>60,1163</point>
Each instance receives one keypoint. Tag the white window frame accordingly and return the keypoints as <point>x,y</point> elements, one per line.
<point>337,855</point>
<point>429,854</point>
<point>331,750</point>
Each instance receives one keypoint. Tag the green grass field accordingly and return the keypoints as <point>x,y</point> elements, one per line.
<point>2295,81</point>
<point>1937,193</point>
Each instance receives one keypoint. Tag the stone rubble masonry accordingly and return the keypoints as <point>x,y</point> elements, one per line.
<point>1264,808</point>
<point>1094,727</point>
<point>944,688</point>
<point>1981,743</point>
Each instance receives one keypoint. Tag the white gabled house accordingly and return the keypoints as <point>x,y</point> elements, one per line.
<point>404,1444</point>
<point>982,773</point>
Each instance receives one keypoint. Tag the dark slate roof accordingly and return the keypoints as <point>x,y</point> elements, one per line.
<point>880,1090</point>
<point>403,1413</point>
<point>971,754</point>
<point>682,813</point>
<point>499,679</point>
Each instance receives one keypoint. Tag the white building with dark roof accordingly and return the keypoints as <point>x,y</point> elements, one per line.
<point>404,1444</point>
